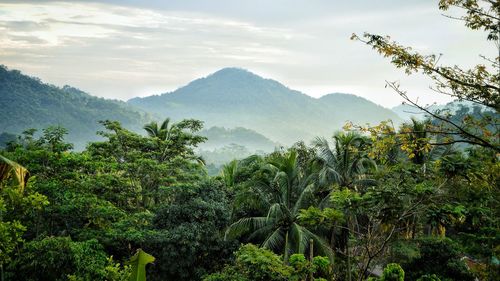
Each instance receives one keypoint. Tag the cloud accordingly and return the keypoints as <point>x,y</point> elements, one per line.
<point>121,49</point>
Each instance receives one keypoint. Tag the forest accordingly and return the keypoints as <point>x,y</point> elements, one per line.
<point>416,201</point>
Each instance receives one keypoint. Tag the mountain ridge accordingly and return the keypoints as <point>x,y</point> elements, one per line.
<point>230,98</point>
<point>263,105</point>
<point>27,102</point>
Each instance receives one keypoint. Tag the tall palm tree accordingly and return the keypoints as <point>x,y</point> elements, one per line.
<point>284,193</point>
<point>345,165</point>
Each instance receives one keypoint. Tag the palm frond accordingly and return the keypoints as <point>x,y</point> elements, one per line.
<point>164,124</point>
<point>275,240</point>
<point>151,129</point>
<point>246,225</point>
<point>320,244</point>
<point>275,211</point>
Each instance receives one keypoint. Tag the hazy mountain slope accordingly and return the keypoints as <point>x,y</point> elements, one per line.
<point>406,112</point>
<point>346,107</point>
<point>234,97</point>
<point>229,98</point>
<point>219,137</point>
<point>26,102</point>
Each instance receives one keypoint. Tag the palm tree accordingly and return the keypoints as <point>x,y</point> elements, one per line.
<point>284,193</point>
<point>345,165</point>
<point>229,172</point>
<point>163,132</point>
<point>417,137</point>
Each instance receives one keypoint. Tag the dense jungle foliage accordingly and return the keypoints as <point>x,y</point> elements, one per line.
<point>369,203</point>
<point>336,210</point>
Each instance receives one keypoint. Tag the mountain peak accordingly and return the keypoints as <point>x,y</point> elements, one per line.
<point>233,72</point>
<point>232,69</point>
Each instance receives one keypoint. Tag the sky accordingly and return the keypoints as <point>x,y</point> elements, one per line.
<point>123,49</point>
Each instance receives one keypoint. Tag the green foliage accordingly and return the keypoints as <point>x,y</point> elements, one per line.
<point>314,216</point>
<point>229,172</point>
<point>17,200</point>
<point>188,231</point>
<point>429,277</point>
<point>54,258</point>
<point>10,236</point>
<point>440,257</point>
<point>301,266</point>
<point>116,272</point>
<point>138,263</point>
<point>319,268</point>
<point>253,263</point>
<point>26,102</point>
<point>392,195</point>
<point>393,272</point>
<point>284,190</point>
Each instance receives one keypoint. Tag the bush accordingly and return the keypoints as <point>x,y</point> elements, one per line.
<point>393,272</point>
<point>56,258</point>
<point>429,277</point>
<point>440,257</point>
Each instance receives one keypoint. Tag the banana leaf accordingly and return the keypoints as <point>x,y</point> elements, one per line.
<point>138,263</point>
<point>9,168</point>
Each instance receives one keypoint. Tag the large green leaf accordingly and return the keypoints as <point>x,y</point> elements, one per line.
<point>138,263</point>
<point>10,168</point>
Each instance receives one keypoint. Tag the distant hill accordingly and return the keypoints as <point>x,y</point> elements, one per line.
<point>27,102</point>
<point>234,97</point>
<point>262,111</point>
<point>346,107</point>
<point>406,112</point>
<point>219,137</point>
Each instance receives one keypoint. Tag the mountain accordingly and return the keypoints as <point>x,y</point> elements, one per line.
<point>26,102</point>
<point>346,107</point>
<point>234,97</point>
<point>219,137</point>
<point>263,112</point>
<point>406,112</point>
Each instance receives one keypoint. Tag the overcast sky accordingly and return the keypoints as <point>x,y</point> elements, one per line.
<point>123,49</point>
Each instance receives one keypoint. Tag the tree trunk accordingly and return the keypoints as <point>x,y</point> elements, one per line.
<point>311,257</point>
<point>285,256</point>
<point>349,277</point>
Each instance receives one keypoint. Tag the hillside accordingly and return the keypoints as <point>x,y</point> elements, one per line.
<point>406,112</point>
<point>263,111</point>
<point>219,137</point>
<point>346,107</point>
<point>234,97</point>
<point>26,102</point>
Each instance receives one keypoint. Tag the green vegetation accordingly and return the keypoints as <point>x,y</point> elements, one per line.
<point>39,105</point>
<point>370,203</point>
